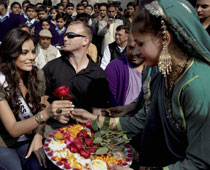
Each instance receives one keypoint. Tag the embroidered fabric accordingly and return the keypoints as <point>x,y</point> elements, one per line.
<point>177,71</point>
<point>147,93</point>
<point>155,9</point>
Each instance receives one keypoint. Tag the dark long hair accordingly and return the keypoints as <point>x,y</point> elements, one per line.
<point>10,49</point>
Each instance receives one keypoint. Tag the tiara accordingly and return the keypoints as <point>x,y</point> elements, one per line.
<point>155,9</point>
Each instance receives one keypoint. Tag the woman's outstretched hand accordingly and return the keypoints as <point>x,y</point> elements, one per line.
<point>65,107</point>
<point>82,115</point>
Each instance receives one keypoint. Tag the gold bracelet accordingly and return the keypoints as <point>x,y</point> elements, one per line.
<point>39,118</point>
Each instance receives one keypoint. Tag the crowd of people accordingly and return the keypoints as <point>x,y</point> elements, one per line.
<point>103,18</point>
<point>140,69</point>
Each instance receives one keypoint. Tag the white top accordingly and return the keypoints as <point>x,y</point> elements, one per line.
<point>29,23</point>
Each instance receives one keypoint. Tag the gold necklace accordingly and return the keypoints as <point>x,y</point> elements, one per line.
<point>176,72</point>
<point>171,79</point>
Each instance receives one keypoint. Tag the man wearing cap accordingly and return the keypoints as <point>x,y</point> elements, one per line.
<point>45,51</point>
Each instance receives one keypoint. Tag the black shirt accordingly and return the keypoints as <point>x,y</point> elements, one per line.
<point>89,87</point>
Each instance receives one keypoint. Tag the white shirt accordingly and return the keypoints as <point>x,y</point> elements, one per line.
<point>29,23</point>
<point>2,19</point>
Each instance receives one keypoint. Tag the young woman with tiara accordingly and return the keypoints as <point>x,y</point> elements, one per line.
<point>23,109</point>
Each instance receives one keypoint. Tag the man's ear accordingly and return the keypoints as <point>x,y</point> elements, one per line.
<point>86,40</point>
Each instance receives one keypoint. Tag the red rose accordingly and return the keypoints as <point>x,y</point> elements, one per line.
<point>92,150</point>
<point>59,163</point>
<point>77,140</point>
<point>88,141</point>
<point>79,146</point>
<point>88,124</point>
<point>82,133</point>
<point>68,140</point>
<point>73,148</point>
<point>54,158</point>
<point>63,159</point>
<point>85,153</point>
<point>78,143</point>
<point>62,92</point>
<point>66,165</point>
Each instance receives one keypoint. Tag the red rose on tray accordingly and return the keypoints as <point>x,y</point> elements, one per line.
<point>62,93</point>
<point>82,133</point>
<point>85,153</point>
<point>88,141</point>
<point>73,148</point>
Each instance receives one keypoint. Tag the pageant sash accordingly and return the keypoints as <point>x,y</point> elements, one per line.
<point>25,111</point>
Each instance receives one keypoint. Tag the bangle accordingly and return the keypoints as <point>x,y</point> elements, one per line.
<point>39,118</point>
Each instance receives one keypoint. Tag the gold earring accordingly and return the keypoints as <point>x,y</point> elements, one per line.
<point>165,62</point>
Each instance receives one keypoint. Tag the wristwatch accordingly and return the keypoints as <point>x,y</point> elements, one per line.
<point>39,118</point>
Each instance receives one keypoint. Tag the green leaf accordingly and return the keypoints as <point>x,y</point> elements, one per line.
<point>102,132</point>
<point>99,125</point>
<point>104,128</point>
<point>121,140</point>
<point>117,149</point>
<point>120,135</point>
<point>125,137</point>
<point>97,134</point>
<point>97,140</point>
<point>103,144</point>
<point>101,151</point>
<point>94,125</point>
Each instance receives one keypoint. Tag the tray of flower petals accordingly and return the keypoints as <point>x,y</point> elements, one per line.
<point>79,147</point>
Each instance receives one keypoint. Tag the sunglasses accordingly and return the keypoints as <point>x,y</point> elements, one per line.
<point>73,35</point>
